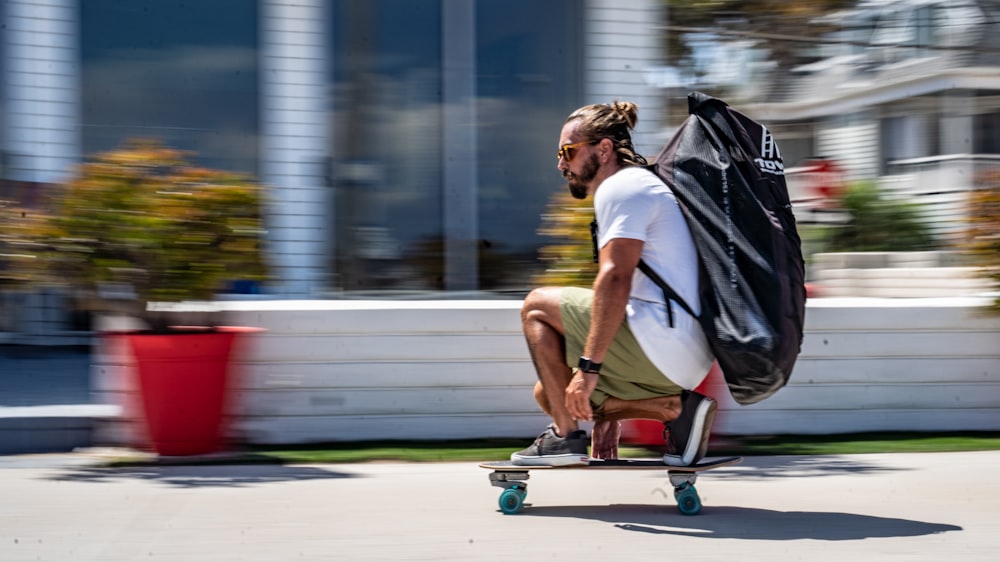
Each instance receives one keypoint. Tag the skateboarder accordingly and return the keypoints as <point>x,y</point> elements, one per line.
<point>614,351</point>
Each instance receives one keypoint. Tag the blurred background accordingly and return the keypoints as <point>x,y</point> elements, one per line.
<point>407,147</point>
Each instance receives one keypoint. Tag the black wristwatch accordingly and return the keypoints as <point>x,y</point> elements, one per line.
<point>588,366</point>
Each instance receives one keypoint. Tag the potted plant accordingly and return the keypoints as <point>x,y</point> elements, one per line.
<point>138,227</point>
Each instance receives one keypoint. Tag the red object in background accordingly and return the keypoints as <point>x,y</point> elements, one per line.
<point>184,385</point>
<point>649,433</point>
<point>812,290</point>
<point>826,179</point>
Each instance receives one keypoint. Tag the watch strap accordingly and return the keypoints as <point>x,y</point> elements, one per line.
<point>588,366</point>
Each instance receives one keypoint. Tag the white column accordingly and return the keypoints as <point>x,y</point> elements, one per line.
<point>41,82</point>
<point>295,142</point>
<point>460,201</point>
<point>621,45</point>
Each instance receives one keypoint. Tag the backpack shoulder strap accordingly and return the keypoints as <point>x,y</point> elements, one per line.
<point>669,294</point>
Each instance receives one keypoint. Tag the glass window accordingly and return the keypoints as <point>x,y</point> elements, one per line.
<point>389,154</point>
<point>387,144</point>
<point>529,79</point>
<point>985,137</point>
<point>6,191</point>
<point>182,72</point>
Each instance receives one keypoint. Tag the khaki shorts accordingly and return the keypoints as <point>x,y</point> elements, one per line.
<point>626,373</point>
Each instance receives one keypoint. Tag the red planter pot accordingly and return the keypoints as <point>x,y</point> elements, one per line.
<point>184,383</point>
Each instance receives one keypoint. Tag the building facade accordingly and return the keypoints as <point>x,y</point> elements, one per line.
<point>907,95</point>
<point>407,145</point>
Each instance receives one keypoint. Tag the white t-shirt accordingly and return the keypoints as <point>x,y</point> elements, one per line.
<point>634,203</point>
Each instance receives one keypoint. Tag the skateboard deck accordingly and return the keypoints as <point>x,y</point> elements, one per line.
<point>513,478</point>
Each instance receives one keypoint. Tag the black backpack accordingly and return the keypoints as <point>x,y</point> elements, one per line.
<point>726,171</point>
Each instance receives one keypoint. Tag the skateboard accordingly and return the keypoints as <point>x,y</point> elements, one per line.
<point>513,478</point>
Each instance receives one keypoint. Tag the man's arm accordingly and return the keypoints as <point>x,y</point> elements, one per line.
<point>618,260</point>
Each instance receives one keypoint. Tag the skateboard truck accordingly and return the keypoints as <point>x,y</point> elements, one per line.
<point>509,479</point>
<point>515,489</point>
<point>681,479</point>
<point>688,501</point>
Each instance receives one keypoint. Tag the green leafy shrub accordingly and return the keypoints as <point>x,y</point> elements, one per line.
<point>143,218</point>
<point>878,225</point>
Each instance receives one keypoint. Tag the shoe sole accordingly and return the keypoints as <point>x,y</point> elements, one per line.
<point>703,421</point>
<point>560,460</point>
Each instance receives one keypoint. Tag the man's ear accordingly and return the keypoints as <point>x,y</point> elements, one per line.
<point>607,150</point>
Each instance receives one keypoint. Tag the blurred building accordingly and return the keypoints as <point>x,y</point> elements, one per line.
<point>907,93</point>
<point>408,145</point>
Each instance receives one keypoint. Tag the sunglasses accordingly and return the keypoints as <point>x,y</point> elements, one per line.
<point>566,150</point>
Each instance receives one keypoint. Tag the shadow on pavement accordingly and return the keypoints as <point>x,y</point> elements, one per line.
<point>747,523</point>
<point>799,466</point>
<point>224,476</point>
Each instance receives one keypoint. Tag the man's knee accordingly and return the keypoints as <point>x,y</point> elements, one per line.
<point>540,299</point>
<point>542,304</point>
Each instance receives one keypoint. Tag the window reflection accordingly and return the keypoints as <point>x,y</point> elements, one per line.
<point>181,72</point>
<point>187,74</point>
<point>388,111</point>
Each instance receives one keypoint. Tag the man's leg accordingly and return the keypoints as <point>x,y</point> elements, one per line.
<point>607,429</point>
<point>661,408</point>
<point>562,443</point>
<point>686,444</point>
<point>544,332</point>
<point>546,329</point>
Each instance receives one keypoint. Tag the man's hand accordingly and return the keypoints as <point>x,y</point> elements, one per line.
<point>604,439</point>
<point>578,395</point>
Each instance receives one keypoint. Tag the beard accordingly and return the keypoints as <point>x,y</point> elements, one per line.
<point>578,183</point>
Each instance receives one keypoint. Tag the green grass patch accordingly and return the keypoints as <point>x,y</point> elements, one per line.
<point>486,450</point>
<point>395,451</point>
<point>496,449</point>
<point>858,443</point>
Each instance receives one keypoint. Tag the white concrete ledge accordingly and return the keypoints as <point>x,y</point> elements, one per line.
<point>62,411</point>
<point>896,275</point>
<point>363,370</point>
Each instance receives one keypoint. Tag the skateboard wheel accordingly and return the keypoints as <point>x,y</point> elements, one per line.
<point>511,501</point>
<point>688,502</point>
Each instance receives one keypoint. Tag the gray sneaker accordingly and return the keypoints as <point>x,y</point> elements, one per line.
<point>551,450</point>
<point>687,441</point>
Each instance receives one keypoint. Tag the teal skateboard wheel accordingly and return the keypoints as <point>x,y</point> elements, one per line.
<point>688,502</point>
<point>512,501</point>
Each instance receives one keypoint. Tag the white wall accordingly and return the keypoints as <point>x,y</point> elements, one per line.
<point>622,43</point>
<point>884,365</point>
<point>851,140</point>
<point>361,370</point>
<point>40,87</point>
<point>295,142</point>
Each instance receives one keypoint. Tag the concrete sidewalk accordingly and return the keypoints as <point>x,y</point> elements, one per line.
<point>940,506</point>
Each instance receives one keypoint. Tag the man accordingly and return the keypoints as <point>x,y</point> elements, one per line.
<point>613,352</point>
